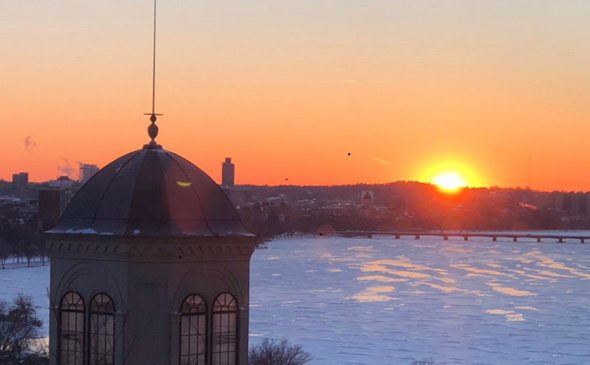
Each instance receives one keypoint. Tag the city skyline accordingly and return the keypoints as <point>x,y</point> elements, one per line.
<point>305,93</point>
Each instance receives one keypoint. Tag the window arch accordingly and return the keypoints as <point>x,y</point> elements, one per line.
<point>193,331</point>
<point>71,329</point>
<point>225,330</point>
<point>101,349</point>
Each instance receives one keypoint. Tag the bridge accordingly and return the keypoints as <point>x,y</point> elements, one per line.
<point>466,235</point>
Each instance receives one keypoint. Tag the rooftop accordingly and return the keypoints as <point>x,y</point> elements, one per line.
<point>151,192</point>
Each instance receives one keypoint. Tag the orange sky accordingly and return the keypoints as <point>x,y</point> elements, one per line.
<point>288,88</point>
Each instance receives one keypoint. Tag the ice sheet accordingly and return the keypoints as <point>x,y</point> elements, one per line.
<point>387,301</point>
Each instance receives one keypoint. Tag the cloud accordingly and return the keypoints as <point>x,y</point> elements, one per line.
<point>381,160</point>
<point>66,167</point>
<point>29,143</point>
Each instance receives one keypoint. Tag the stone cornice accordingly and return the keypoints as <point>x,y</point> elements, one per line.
<point>152,249</point>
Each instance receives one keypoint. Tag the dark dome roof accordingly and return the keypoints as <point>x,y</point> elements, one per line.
<point>151,192</point>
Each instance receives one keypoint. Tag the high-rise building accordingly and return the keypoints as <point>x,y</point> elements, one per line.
<point>228,173</point>
<point>20,183</point>
<point>86,171</point>
<point>20,180</point>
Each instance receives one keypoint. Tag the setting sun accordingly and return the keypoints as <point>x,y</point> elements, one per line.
<point>451,173</point>
<point>449,182</point>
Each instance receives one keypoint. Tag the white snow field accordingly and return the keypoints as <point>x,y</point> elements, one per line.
<point>387,301</point>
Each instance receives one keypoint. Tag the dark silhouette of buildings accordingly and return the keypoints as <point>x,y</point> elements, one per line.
<point>272,210</point>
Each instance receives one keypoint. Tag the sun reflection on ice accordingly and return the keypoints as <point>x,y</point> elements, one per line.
<point>509,291</point>
<point>374,294</point>
<point>509,316</point>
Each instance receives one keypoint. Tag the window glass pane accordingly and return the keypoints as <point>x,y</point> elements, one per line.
<point>225,330</point>
<point>193,327</point>
<point>71,329</point>
<point>184,325</point>
<point>102,330</point>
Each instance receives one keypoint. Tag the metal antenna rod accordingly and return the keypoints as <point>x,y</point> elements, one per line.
<point>153,128</point>
<point>154,65</point>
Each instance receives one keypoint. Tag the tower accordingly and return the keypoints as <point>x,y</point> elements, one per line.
<point>86,171</point>
<point>20,184</point>
<point>20,180</point>
<point>228,173</point>
<point>149,265</point>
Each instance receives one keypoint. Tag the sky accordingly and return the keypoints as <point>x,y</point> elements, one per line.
<point>306,92</point>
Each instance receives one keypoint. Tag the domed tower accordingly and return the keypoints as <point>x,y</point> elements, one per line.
<point>150,265</point>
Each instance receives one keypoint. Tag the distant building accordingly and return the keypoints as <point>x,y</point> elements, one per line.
<point>86,172</point>
<point>21,179</point>
<point>50,203</point>
<point>20,184</point>
<point>367,197</point>
<point>228,173</point>
<point>63,182</point>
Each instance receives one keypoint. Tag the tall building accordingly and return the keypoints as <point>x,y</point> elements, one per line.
<point>20,184</point>
<point>21,179</point>
<point>86,172</point>
<point>228,173</point>
<point>150,264</point>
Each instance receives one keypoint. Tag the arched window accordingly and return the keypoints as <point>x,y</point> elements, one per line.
<point>193,331</point>
<point>101,349</point>
<point>225,330</point>
<point>71,329</point>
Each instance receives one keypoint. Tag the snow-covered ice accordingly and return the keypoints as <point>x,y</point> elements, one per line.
<point>386,301</point>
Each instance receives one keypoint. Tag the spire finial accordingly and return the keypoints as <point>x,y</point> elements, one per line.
<point>153,128</point>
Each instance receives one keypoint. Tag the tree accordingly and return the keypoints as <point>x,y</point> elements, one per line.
<point>275,352</point>
<point>19,326</point>
<point>4,251</point>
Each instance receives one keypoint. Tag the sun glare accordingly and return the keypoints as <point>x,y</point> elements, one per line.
<point>449,182</point>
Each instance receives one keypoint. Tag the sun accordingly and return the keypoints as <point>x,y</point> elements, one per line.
<point>449,182</point>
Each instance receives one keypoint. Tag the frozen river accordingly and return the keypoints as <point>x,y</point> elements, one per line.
<point>386,301</point>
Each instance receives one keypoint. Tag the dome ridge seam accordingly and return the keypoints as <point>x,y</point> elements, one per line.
<point>135,153</point>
